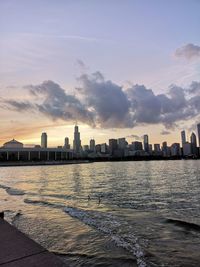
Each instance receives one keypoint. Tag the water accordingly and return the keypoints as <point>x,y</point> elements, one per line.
<point>148,215</point>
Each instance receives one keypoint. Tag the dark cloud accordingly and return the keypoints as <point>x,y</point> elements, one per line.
<point>194,88</point>
<point>107,100</point>
<point>17,105</point>
<point>102,103</point>
<point>168,108</point>
<point>51,100</point>
<point>145,106</point>
<point>189,51</point>
<point>165,132</point>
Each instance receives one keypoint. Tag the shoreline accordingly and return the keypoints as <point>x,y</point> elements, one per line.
<point>87,161</point>
<point>42,163</point>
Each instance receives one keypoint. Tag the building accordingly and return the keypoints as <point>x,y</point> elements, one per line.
<point>165,149</point>
<point>77,140</point>
<point>175,150</point>
<point>98,148</point>
<point>136,146</point>
<point>44,140</point>
<point>146,143</point>
<point>122,144</point>
<point>67,145</point>
<point>15,151</point>
<point>187,149</point>
<point>113,146</point>
<point>193,141</point>
<point>183,137</point>
<point>157,148</point>
<point>13,144</point>
<point>92,145</point>
<point>150,149</point>
<point>86,148</point>
<point>164,145</point>
<point>104,148</point>
<point>198,131</point>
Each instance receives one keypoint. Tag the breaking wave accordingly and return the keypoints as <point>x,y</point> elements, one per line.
<point>109,224</point>
<point>13,191</point>
<point>4,186</point>
<point>43,203</point>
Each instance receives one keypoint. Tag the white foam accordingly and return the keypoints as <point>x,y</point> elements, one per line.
<point>109,224</point>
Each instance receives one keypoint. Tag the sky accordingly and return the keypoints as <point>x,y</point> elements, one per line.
<point>117,68</point>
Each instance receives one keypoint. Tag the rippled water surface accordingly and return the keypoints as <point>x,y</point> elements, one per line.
<point>137,213</point>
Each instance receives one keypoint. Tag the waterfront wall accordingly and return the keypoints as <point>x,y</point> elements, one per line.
<point>35,154</point>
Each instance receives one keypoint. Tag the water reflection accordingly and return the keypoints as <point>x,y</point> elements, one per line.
<point>140,195</point>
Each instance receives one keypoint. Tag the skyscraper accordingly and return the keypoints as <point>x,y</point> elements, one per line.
<point>136,146</point>
<point>67,145</point>
<point>112,146</point>
<point>157,148</point>
<point>175,149</point>
<point>92,145</point>
<point>193,141</point>
<point>146,143</point>
<point>77,140</point>
<point>122,144</point>
<point>165,149</point>
<point>183,137</point>
<point>44,140</point>
<point>198,130</point>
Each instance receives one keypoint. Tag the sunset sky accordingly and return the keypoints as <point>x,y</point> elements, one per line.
<point>119,68</point>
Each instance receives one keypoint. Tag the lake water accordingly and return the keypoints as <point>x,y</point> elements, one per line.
<point>138,213</point>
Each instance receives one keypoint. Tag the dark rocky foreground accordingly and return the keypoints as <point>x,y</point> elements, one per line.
<point>18,250</point>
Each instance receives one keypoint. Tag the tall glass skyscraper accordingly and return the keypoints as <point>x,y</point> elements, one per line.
<point>198,131</point>
<point>146,143</point>
<point>77,140</point>
<point>193,141</point>
<point>183,137</point>
<point>44,140</point>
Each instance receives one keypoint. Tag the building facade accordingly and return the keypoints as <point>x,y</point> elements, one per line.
<point>146,143</point>
<point>77,140</point>
<point>183,137</point>
<point>44,140</point>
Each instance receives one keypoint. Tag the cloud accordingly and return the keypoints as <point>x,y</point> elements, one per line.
<point>104,104</point>
<point>106,99</point>
<point>81,64</point>
<point>189,51</point>
<point>165,132</point>
<point>51,100</point>
<point>19,106</point>
<point>194,88</point>
<point>148,108</point>
<point>135,137</point>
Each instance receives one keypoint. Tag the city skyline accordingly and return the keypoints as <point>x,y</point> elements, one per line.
<point>145,140</point>
<point>118,149</point>
<point>135,70</point>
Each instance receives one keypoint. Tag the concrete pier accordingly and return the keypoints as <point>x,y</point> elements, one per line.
<point>18,250</point>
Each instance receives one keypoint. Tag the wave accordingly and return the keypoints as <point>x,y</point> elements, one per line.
<point>112,226</point>
<point>15,192</point>
<point>59,196</point>
<point>43,203</point>
<point>187,225</point>
<point>12,191</point>
<point>4,186</point>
